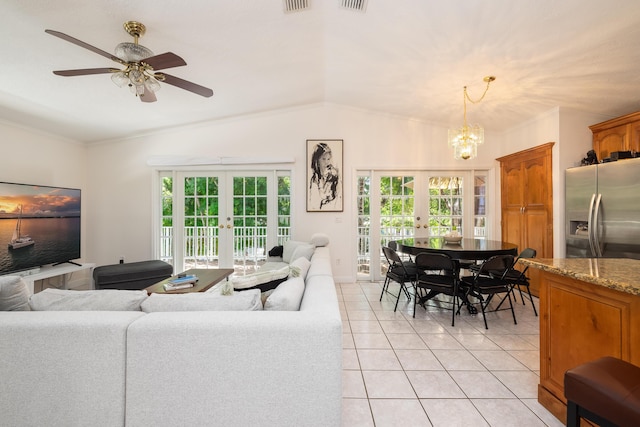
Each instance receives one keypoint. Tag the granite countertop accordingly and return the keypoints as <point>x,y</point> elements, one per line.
<point>615,273</point>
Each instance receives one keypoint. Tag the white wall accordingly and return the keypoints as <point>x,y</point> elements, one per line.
<point>32,157</point>
<point>117,183</point>
<point>121,182</point>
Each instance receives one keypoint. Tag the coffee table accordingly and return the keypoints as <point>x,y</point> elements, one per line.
<point>207,277</point>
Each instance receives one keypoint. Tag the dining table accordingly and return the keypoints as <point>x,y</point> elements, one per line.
<point>467,251</point>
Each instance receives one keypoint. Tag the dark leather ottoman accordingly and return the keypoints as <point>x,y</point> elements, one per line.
<point>606,391</point>
<point>133,275</point>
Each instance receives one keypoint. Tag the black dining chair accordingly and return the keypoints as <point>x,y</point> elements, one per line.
<point>518,278</point>
<point>438,274</point>
<point>484,286</point>
<point>394,245</point>
<point>399,271</point>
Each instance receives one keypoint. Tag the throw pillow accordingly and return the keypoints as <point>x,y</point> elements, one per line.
<point>319,239</point>
<point>276,251</point>
<point>239,301</point>
<point>287,296</point>
<point>288,248</point>
<point>305,251</point>
<point>300,267</point>
<point>14,295</point>
<point>100,300</point>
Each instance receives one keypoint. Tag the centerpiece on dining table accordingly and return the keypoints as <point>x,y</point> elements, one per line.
<point>453,237</point>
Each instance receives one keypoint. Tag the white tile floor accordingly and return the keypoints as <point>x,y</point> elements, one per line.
<point>401,371</point>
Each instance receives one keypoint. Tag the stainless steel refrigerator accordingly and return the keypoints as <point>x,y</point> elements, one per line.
<point>603,210</point>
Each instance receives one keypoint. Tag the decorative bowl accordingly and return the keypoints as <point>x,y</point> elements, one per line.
<point>453,240</point>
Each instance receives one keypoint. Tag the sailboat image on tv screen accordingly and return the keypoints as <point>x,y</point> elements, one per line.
<point>18,240</point>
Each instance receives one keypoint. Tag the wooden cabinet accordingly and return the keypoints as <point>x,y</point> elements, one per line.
<point>527,202</point>
<point>619,134</point>
<point>579,322</point>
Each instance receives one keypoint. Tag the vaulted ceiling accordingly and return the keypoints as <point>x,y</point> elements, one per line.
<point>409,58</point>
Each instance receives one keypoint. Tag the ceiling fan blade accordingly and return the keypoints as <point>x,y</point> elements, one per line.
<point>148,96</point>
<point>84,45</point>
<point>164,60</point>
<point>186,85</point>
<point>85,72</point>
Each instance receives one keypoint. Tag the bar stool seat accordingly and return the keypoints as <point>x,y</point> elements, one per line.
<point>605,391</point>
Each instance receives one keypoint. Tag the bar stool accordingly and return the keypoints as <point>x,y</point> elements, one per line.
<point>605,391</point>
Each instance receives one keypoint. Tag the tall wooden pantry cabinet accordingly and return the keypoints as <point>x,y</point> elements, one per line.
<point>527,203</point>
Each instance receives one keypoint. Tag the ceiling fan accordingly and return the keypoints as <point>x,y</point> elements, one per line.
<point>141,65</point>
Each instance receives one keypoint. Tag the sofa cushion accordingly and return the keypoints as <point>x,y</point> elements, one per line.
<point>239,301</point>
<point>287,296</point>
<point>319,239</point>
<point>321,263</point>
<point>299,267</point>
<point>14,295</point>
<point>100,300</point>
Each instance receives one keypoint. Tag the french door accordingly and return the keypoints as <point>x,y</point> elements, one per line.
<point>394,205</point>
<point>226,219</point>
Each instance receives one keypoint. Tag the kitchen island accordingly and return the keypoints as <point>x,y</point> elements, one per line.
<point>589,308</point>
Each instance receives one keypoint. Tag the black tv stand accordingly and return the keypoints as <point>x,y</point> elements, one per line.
<point>67,262</point>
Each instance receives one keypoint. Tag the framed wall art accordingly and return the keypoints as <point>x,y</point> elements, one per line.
<point>324,175</point>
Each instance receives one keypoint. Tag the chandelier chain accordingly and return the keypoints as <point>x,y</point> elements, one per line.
<point>466,96</point>
<point>465,140</point>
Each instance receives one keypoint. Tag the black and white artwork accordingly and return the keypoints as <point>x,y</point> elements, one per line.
<point>324,175</point>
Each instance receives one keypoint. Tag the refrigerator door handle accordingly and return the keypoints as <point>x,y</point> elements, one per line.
<point>596,235</point>
<point>590,227</point>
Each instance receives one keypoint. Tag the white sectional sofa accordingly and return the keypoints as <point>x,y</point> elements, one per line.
<point>183,368</point>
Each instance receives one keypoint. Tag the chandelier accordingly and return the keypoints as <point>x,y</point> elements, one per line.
<point>138,75</point>
<point>466,139</point>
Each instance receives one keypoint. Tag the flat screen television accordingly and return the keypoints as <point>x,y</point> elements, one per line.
<point>39,225</point>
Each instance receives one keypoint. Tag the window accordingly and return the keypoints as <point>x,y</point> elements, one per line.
<point>445,205</point>
<point>223,219</point>
<point>479,206</point>
<point>364,223</point>
<point>395,205</point>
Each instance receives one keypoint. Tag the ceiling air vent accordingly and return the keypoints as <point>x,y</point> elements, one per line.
<point>295,5</point>
<point>359,5</point>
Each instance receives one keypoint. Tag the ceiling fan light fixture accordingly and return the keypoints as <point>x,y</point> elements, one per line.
<point>138,90</point>
<point>132,52</point>
<point>120,79</point>
<point>152,84</point>
<point>137,77</point>
<point>139,65</point>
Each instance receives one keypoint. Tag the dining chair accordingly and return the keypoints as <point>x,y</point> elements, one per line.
<point>518,278</point>
<point>437,274</point>
<point>484,286</point>
<point>398,271</point>
<point>394,245</point>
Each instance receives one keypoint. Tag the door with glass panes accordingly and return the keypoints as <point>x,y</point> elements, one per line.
<point>397,205</point>
<point>228,219</point>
